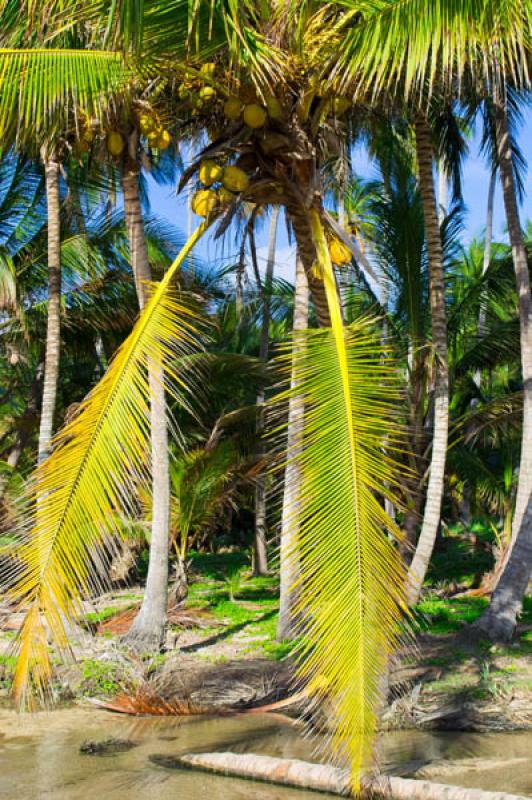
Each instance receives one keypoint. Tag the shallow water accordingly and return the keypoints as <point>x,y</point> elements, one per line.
<point>40,758</point>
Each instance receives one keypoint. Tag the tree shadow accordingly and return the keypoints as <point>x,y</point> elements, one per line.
<point>230,631</point>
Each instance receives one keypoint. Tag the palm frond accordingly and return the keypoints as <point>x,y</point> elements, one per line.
<point>99,460</point>
<point>42,90</point>
<point>351,588</point>
<point>403,45</point>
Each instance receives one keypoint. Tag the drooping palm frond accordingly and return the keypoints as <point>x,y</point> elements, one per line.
<point>99,460</point>
<point>351,585</point>
<point>42,90</point>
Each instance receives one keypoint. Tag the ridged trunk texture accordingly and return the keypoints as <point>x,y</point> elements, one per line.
<point>286,626</point>
<point>53,324</point>
<point>499,620</point>
<point>149,627</point>
<point>260,551</point>
<point>433,502</point>
<point>299,218</point>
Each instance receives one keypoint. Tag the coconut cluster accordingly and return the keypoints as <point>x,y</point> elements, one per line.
<point>151,126</point>
<point>220,186</point>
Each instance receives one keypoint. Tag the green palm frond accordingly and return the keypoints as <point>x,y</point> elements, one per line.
<point>351,587</point>
<point>406,44</point>
<point>42,90</point>
<point>99,460</point>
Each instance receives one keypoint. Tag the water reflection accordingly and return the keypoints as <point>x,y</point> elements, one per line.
<point>40,758</point>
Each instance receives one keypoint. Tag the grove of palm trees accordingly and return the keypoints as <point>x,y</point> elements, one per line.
<point>266,398</point>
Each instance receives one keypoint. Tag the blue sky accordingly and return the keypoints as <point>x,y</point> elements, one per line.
<point>475,188</point>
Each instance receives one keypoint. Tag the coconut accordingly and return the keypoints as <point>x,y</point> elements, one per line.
<point>254,116</point>
<point>210,172</point>
<point>225,196</point>
<point>115,143</point>
<point>147,123</point>
<point>233,108</point>
<point>164,140</point>
<point>208,69</point>
<point>204,201</point>
<point>340,105</point>
<point>154,136</point>
<point>339,252</point>
<point>275,109</point>
<point>183,91</point>
<point>235,179</point>
<point>207,94</point>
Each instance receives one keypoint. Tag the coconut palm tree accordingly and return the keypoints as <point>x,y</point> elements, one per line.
<point>260,553</point>
<point>285,139</point>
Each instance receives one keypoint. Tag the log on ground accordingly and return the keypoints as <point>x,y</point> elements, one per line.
<point>329,779</point>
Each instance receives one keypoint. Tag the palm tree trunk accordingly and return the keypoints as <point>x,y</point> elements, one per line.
<point>289,529</point>
<point>53,326</point>
<point>499,620</point>
<point>522,279</point>
<point>481,328</point>
<point>260,554</point>
<point>299,219</point>
<point>433,502</point>
<point>149,627</point>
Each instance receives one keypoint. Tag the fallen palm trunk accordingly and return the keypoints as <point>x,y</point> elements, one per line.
<point>325,778</point>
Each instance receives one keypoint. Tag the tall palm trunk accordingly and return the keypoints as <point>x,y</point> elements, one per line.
<point>289,530</point>
<point>299,219</point>
<point>149,627</point>
<point>498,621</point>
<point>53,326</point>
<point>260,554</point>
<point>433,502</point>
<point>522,279</point>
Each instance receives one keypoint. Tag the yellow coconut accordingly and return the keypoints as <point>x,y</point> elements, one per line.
<point>210,172</point>
<point>340,105</point>
<point>340,253</point>
<point>183,91</point>
<point>147,123</point>
<point>225,196</point>
<point>275,109</point>
<point>164,140</point>
<point>254,116</point>
<point>115,143</point>
<point>208,69</point>
<point>207,94</point>
<point>204,201</point>
<point>233,108</point>
<point>235,179</point>
<point>154,136</point>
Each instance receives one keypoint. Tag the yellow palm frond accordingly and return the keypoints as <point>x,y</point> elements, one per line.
<point>100,459</point>
<point>351,585</point>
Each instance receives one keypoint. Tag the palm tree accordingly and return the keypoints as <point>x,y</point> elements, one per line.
<point>260,553</point>
<point>433,501</point>
<point>288,571</point>
<point>149,626</point>
<point>499,620</point>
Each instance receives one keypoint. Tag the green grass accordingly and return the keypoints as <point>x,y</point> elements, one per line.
<point>441,615</point>
<point>254,609</point>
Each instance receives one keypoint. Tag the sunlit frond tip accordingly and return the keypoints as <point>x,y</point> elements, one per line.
<point>350,587</point>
